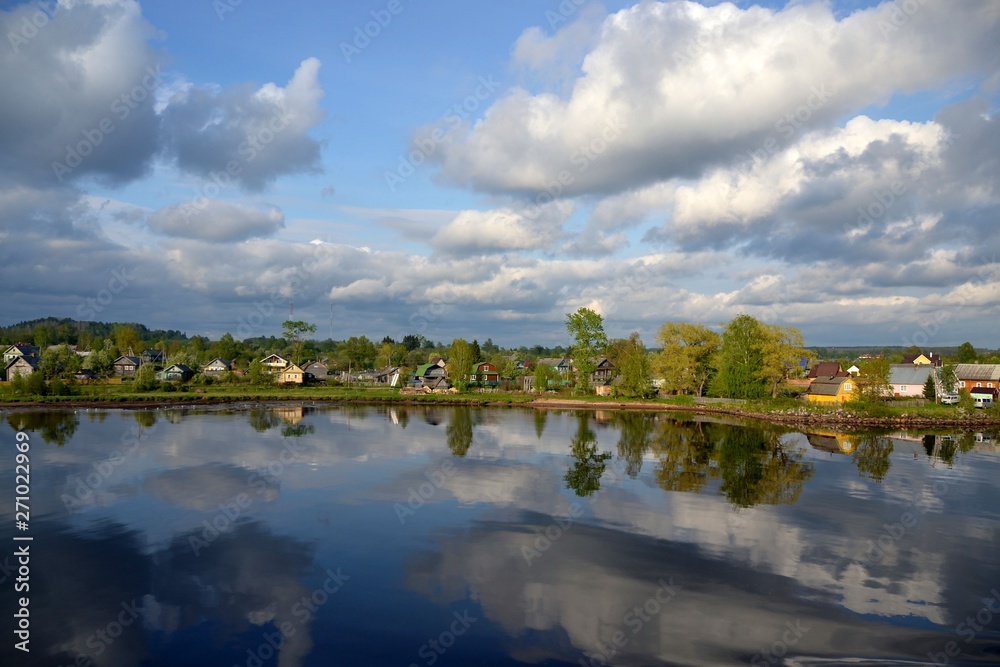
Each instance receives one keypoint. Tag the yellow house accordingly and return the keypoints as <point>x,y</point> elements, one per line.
<point>292,375</point>
<point>831,390</point>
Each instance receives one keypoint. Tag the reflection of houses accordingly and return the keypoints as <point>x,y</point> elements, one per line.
<point>909,379</point>
<point>22,366</point>
<point>292,374</point>
<point>175,372</point>
<point>291,415</point>
<point>316,370</point>
<point>432,376</point>
<point>126,366</point>
<point>216,367</point>
<point>978,378</point>
<point>829,441</point>
<point>830,390</point>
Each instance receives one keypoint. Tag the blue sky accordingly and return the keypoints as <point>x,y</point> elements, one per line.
<point>830,166</point>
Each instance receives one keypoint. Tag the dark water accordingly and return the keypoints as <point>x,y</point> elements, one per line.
<point>369,536</point>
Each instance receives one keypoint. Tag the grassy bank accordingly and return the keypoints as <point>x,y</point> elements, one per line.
<point>781,410</point>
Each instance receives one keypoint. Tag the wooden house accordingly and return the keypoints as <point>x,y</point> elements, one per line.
<point>216,367</point>
<point>831,389</point>
<point>175,373</point>
<point>126,366</point>
<point>292,374</point>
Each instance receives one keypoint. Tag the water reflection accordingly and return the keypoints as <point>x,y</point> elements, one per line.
<point>551,528</point>
<point>55,427</point>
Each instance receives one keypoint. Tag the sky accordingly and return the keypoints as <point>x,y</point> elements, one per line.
<point>480,170</point>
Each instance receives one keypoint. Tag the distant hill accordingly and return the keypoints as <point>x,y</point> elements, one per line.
<point>67,330</point>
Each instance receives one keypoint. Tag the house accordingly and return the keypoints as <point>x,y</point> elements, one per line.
<point>929,359</point>
<point>155,357</point>
<point>909,379</point>
<point>977,376</point>
<point>316,370</point>
<point>23,366</point>
<point>292,374</point>
<point>389,377</point>
<point>175,372</point>
<point>831,389</point>
<point>827,369</point>
<point>19,350</point>
<point>604,373</point>
<point>275,363</point>
<point>429,375</point>
<point>216,367</point>
<point>85,375</point>
<point>486,373</point>
<point>561,365</point>
<point>126,366</point>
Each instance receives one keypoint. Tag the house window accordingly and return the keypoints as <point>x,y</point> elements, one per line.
<point>902,388</point>
<point>847,386</point>
<point>962,384</point>
<point>979,384</point>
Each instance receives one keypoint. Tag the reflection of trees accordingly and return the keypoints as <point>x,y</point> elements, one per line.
<point>296,430</point>
<point>584,476</point>
<point>684,456</point>
<point>145,418</point>
<point>871,456</point>
<point>752,464</point>
<point>541,416</point>
<point>459,431</point>
<point>635,429</point>
<point>757,469</point>
<point>55,427</point>
<point>263,419</point>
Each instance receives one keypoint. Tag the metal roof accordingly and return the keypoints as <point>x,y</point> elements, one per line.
<point>909,374</point>
<point>978,372</point>
<point>826,386</point>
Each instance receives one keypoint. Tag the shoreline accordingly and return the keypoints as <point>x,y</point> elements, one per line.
<point>841,420</point>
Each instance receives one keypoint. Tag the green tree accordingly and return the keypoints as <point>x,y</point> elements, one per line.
<point>586,328</point>
<point>948,377</point>
<point>543,377</point>
<point>296,332</point>
<point>929,391</point>
<point>145,378</point>
<point>966,353</point>
<point>461,357</point>
<point>477,352</point>
<point>686,357</point>
<point>60,363</point>
<point>634,368</point>
<point>873,380</point>
<point>126,338</point>
<point>740,360</point>
<point>783,348</point>
<point>258,374</point>
<point>360,352</point>
<point>227,347</point>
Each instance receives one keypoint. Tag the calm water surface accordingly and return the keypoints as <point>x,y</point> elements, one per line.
<point>296,536</point>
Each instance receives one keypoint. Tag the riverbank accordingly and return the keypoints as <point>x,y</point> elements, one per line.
<point>786,412</point>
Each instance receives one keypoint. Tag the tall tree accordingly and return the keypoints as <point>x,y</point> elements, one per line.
<point>948,377</point>
<point>967,353</point>
<point>296,331</point>
<point>460,360</point>
<point>873,380</point>
<point>586,327</point>
<point>634,368</point>
<point>126,338</point>
<point>929,391</point>
<point>360,351</point>
<point>783,349</point>
<point>741,358</point>
<point>686,356</point>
